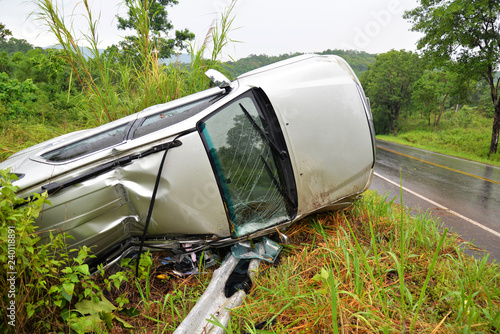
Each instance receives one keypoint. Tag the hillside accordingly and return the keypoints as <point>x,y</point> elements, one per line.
<point>358,60</point>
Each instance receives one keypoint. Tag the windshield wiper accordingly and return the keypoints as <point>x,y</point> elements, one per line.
<point>276,183</point>
<point>282,153</point>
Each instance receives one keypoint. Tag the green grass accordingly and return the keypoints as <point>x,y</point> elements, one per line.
<point>372,267</point>
<point>366,270</point>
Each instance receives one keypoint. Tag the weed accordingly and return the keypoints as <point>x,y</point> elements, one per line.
<point>45,280</point>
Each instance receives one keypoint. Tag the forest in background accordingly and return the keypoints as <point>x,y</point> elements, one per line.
<point>414,96</point>
<point>40,97</point>
<point>358,60</point>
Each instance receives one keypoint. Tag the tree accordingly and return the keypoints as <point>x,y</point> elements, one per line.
<point>4,32</point>
<point>5,66</point>
<point>157,29</point>
<point>14,45</point>
<point>389,83</point>
<point>466,32</point>
<point>426,93</point>
<point>434,88</point>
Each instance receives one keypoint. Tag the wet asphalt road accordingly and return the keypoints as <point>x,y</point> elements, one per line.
<point>465,195</point>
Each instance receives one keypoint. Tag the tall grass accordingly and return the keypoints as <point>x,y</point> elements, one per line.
<point>114,89</point>
<point>96,84</point>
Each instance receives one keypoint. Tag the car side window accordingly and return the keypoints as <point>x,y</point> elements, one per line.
<point>244,161</point>
<point>88,145</point>
<point>171,116</point>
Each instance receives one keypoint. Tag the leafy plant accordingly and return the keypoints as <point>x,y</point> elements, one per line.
<point>389,84</point>
<point>45,280</point>
<point>157,28</point>
<point>32,266</point>
<point>15,95</point>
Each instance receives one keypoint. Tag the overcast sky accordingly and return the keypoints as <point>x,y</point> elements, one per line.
<point>269,27</point>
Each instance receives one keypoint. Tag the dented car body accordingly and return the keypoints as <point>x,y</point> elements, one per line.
<point>213,168</point>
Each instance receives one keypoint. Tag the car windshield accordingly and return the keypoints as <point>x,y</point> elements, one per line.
<point>244,162</point>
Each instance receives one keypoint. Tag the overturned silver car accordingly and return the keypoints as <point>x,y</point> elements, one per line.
<point>230,163</point>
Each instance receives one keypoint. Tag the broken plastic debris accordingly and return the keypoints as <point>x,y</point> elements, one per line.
<point>162,276</point>
<point>188,248</point>
<point>189,264</point>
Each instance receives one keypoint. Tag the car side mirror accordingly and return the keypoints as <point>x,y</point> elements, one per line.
<point>219,79</point>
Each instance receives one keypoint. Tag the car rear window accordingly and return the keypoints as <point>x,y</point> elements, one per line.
<point>117,135</point>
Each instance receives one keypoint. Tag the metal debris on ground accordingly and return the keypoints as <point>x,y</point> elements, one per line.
<point>190,263</point>
<point>245,250</point>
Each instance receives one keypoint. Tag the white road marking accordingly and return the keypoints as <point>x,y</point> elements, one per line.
<point>473,222</point>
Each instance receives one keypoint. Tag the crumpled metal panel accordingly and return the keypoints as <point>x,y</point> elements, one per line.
<point>108,209</point>
<point>188,199</point>
<point>75,211</point>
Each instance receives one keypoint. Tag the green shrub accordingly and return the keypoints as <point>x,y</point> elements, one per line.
<point>16,97</point>
<point>46,288</point>
<point>39,281</point>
